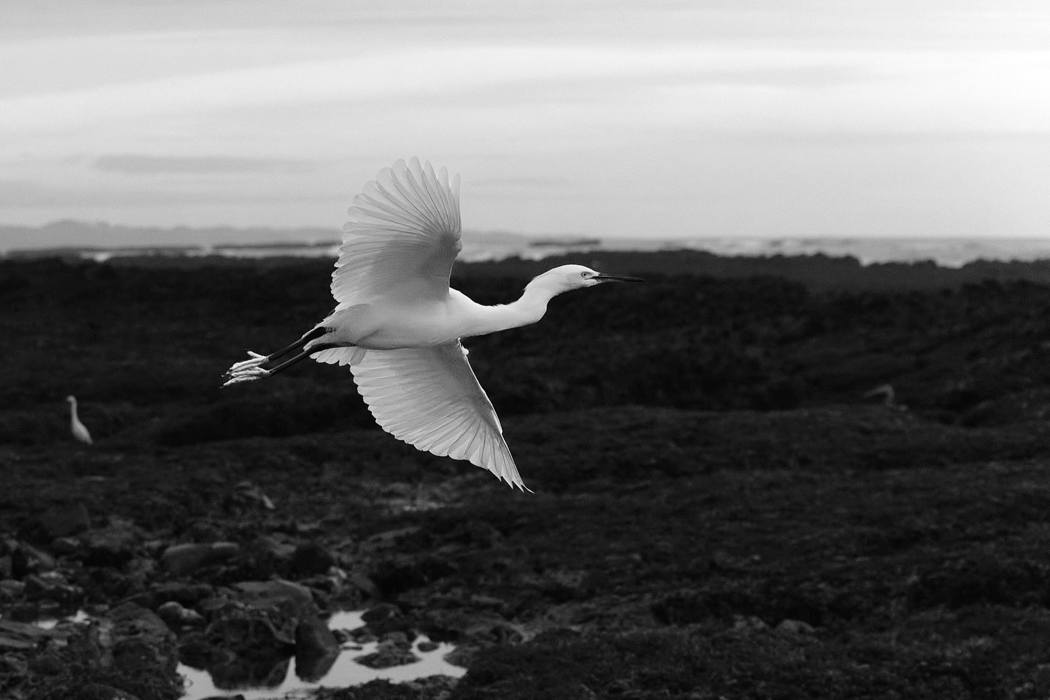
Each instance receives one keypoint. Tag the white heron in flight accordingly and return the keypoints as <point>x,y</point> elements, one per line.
<point>398,325</point>
<point>80,431</point>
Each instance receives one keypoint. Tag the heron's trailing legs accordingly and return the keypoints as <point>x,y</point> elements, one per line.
<point>256,366</point>
<point>257,359</point>
<point>253,369</point>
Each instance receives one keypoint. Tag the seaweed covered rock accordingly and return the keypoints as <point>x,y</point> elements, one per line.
<point>749,661</point>
<point>129,653</point>
<point>253,631</point>
<point>394,650</point>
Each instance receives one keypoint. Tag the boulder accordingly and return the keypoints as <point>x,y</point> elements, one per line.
<point>113,545</point>
<point>265,557</point>
<point>795,627</point>
<point>364,584</point>
<point>182,559</point>
<point>316,649</point>
<point>20,636</point>
<point>27,559</point>
<point>52,585</point>
<point>140,639</point>
<point>177,617</point>
<point>195,650</point>
<point>11,589</point>
<point>276,592</point>
<point>253,632</point>
<point>384,618</point>
<point>23,611</point>
<point>128,654</point>
<point>185,594</point>
<point>255,627</point>
<point>309,559</point>
<point>247,496</point>
<point>243,646</point>
<point>105,690</point>
<point>13,670</point>
<point>260,619</point>
<point>394,650</point>
<point>65,546</point>
<point>250,672</point>
<point>430,687</point>
<point>64,520</point>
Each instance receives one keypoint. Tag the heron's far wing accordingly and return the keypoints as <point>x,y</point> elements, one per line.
<point>430,398</point>
<point>402,236</point>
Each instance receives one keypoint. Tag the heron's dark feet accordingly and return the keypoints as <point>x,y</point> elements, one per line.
<point>247,370</point>
<point>252,368</point>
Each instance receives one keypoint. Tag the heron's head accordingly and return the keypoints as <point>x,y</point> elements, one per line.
<point>71,399</point>
<point>567,277</point>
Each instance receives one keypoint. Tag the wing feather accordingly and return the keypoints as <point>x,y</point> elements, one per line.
<point>402,236</point>
<point>339,356</point>
<point>430,398</point>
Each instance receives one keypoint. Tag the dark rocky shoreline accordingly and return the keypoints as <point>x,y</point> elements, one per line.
<point>719,512</point>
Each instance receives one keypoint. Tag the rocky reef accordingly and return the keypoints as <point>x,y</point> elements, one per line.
<point>719,509</point>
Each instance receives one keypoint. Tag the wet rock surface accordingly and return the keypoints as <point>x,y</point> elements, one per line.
<point>394,649</point>
<point>719,512</point>
<point>127,653</point>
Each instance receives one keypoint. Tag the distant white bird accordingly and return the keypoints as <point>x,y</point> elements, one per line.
<point>889,396</point>
<point>80,432</point>
<point>398,324</point>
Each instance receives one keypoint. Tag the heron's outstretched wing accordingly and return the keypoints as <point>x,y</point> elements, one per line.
<point>402,237</point>
<point>339,356</point>
<point>430,398</point>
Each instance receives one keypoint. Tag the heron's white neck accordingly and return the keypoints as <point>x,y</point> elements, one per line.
<point>529,308</point>
<point>73,410</point>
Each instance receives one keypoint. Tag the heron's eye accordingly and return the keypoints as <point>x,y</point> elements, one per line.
<point>585,274</point>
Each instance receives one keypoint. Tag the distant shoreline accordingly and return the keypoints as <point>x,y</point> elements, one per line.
<point>819,272</point>
<point>102,241</point>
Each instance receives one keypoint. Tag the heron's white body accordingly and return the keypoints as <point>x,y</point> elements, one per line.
<point>79,430</point>
<point>398,325</point>
<point>389,324</point>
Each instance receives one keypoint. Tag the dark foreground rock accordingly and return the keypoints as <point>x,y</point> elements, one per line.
<point>316,648</point>
<point>394,650</point>
<point>709,663</point>
<point>181,559</point>
<point>129,653</point>
<point>432,688</point>
<point>255,629</point>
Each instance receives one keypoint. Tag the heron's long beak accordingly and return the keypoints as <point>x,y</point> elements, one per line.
<point>617,278</point>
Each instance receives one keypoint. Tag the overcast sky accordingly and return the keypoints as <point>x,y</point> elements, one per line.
<point>616,118</point>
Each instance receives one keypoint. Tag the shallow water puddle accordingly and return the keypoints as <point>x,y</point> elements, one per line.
<point>344,672</point>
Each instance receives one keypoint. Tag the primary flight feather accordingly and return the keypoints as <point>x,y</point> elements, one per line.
<point>398,325</point>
